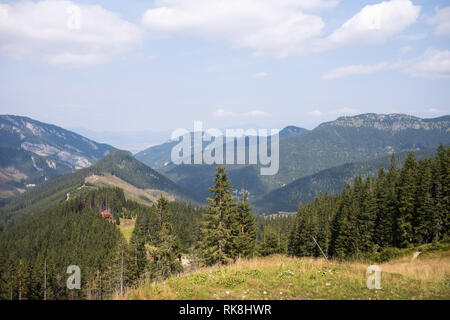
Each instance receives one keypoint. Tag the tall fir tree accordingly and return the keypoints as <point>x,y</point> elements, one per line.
<point>345,231</point>
<point>165,260</point>
<point>406,202</point>
<point>441,192</point>
<point>216,228</point>
<point>243,229</point>
<point>425,216</point>
<point>384,218</point>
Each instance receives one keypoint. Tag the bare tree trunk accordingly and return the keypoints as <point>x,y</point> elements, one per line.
<point>45,279</point>
<point>99,275</point>
<point>20,289</point>
<point>121,276</point>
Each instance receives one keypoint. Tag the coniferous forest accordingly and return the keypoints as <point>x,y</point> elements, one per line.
<point>400,208</point>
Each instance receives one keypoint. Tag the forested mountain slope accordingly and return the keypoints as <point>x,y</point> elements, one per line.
<point>117,163</point>
<point>39,250</point>
<point>332,181</point>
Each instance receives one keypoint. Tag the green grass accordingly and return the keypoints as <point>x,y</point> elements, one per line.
<point>126,227</point>
<point>281,277</point>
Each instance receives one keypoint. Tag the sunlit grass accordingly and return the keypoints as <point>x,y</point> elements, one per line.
<point>281,277</point>
<point>126,227</point>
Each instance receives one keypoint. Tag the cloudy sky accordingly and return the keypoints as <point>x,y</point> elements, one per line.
<point>156,65</point>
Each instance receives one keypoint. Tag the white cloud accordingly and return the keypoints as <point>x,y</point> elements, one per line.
<point>413,37</point>
<point>279,28</point>
<point>373,24</point>
<point>255,113</point>
<point>405,49</point>
<point>433,64</point>
<point>338,112</point>
<point>441,21</point>
<point>352,70</point>
<point>316,113</point>
<point>260,75</point>
<point>64,33</point>
<point>252,113</point>
<point>433,111</point>
<point>223,113</point>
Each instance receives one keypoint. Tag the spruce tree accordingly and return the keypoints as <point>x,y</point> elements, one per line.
<point>345,233</point>
<point>406,202</point>
<point>165,260</point>
<point>441,192</point>
<point>243,229</point>
<point>216,230</point>
<point>425,216</point>
<point>383,220</point>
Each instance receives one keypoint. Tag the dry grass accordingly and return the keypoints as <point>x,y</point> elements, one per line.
<point>131,192</point>
<point>126,227</point>
<point>281,277</point>
<point>432,267</point>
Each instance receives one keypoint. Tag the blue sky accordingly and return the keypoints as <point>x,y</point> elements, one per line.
<point>156,66</point>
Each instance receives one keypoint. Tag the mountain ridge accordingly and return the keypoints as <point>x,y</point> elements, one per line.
<point>117,163</point>
<point>329,145</point>
<point>34,151</point>
<point>158,156</point>
<point>392,121</point>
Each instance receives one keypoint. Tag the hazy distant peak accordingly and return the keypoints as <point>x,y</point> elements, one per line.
<point>291,131</point>
<point>390,122</point>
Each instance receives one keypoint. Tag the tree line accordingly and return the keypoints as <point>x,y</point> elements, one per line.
<point>399,208</point>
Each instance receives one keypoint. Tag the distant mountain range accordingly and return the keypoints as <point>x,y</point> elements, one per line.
<point>158,156</point>
<point>345,140</point>
<point>32,152</point>
<point>319,160</point>
<point>118,168</point>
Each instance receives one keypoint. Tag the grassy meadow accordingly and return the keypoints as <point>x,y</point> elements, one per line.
<point>284,278</point>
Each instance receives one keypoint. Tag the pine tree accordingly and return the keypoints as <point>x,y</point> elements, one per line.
<point>384,218</point>
<point>425,216</point>
<point>441,192</point>
<point>165,260</point>
<point>406,202</point>
<point>391,205</point>
<point>138,250</point>
<point>345,231</point>
<point>216,230</point>
<point>294,236</point>
<point>243,229</point>
<point>364,194</point>
<point>270,245</point>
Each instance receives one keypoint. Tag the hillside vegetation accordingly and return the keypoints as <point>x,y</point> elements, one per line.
<point>108,250</point>
<point>143,196</point>
<point>332,180</point>
<point>280,277</point>
<point>140,182</point>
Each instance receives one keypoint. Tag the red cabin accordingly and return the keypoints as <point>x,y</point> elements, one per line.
<point>106,214</point>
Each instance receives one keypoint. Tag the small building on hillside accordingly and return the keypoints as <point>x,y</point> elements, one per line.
<point>106,214</point>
